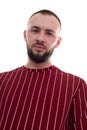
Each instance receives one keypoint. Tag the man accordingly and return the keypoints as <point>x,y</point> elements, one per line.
<point>40,96</point>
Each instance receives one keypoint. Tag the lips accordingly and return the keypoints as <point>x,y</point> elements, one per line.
<point>39,47</point>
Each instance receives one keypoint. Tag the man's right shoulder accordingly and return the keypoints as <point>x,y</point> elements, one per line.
<point>10,71</point>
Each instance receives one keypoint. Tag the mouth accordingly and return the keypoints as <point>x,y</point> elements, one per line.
<point>39,47</point>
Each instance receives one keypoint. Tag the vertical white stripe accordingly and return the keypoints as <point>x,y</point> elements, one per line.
<point>11,101</point>
<point>81,124</point>
<point>74,101</point>
<point>74,113</point>
<point>64,100</point>
<point>80,103</point>
<point>18,101</point>
<point>24,102</point>
<point>32,100</point>
<point>76,87</point>
<point>80,110</point>
<point>52,98</point>
<point>84,91</point>
<point>1,75</point>
<point>73,84</point>
<point>60,87</point>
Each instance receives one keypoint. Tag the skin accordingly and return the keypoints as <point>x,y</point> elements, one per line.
<point>45,29</point>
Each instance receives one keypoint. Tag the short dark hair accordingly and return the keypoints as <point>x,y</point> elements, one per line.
<point>49,12</point>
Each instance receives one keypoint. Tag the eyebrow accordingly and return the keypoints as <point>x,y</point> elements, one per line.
<point>35,27</point>
<point>48,30</point>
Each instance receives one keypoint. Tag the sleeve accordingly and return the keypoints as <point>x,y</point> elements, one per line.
<point>78,113</point>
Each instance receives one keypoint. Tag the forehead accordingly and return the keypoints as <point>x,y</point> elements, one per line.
<point>46,21</point>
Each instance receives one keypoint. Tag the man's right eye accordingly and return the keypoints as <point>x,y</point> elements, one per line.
<point>35,31</point>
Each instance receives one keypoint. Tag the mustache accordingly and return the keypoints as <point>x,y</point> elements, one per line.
<point>40,44</point>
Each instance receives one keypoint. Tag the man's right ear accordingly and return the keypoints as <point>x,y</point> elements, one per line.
<point>24,35</point>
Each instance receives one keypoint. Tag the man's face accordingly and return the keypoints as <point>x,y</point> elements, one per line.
<point>41,37</point>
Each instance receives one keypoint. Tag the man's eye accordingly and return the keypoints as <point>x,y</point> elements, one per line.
<point>49,34</point>
<point>35,30</point>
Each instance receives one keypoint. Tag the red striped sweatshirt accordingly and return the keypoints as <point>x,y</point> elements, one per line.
<point>42,99</point>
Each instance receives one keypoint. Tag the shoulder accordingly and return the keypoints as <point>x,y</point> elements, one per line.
<point>76,81</point>
<point>3,74</point>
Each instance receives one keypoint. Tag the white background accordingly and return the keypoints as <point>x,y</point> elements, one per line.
<point>71,56</point>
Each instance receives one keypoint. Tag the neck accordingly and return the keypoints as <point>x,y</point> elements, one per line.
<point>33,65</point>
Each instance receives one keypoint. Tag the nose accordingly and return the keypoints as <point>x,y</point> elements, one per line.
<point>41,37</point>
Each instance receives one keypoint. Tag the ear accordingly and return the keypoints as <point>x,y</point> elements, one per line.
<point>24,34</point>
<point>58,42</point>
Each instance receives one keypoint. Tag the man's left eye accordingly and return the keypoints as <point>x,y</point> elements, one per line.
<point>49,34</point>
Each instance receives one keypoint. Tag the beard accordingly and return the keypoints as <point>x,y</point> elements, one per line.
<point>38,58</point>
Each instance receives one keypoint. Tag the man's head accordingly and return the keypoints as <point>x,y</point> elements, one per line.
<point>42,35</point>
<point>47,12</point>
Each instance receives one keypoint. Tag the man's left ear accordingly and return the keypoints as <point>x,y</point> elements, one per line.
<point>58,42</point>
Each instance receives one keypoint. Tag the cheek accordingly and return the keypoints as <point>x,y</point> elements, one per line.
<point>29,39</point>
<point>52,43</point>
